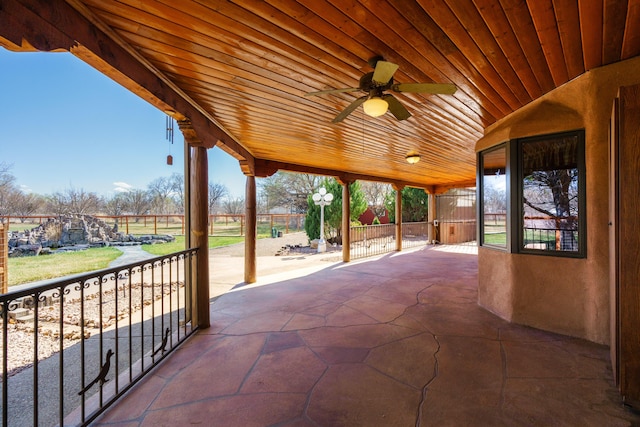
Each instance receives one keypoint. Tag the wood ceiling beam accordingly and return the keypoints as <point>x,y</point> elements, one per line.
<point>264,168</point>
<point>50,25</point>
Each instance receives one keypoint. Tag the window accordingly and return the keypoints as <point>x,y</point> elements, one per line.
<point>493,221</point>
<point>551,196</point>
<point>532,193</point>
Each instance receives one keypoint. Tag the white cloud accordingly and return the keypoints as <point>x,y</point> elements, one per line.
<point>122,187</point>
<point>25,189</point>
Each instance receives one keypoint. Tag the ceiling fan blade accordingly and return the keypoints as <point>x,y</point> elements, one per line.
<point>383,72</point>
<point>322,92</point>
<point>396,108</point>
<point>436,88</point>
<point>344,113</point>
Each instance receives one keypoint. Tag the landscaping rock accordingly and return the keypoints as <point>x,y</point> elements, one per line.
<point>73,233</point>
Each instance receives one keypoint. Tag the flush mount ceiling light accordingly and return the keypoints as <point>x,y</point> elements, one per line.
<point>412,157</point>
<point>375,107</point>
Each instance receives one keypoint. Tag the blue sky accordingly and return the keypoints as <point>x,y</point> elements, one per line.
<point>65,125</point>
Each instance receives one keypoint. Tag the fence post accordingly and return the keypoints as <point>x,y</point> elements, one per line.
<point>155,224</point>
<point>126,221</point>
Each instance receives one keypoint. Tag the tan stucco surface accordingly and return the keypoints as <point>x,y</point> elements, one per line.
<point>564,295</point>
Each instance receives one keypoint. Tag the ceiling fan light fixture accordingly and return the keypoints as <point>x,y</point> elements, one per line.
<point>412,157</point>
<point>375,107</point>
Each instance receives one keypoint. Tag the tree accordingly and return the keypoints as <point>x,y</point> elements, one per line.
<point>554,193</point>
<point>234,206</point>
<point>26,204</point>
<point>415,205</point>
<point>333,212</point>
<point>73,201</point>
<point>138,202</point>
<point>288,190</point>
<point>376,194</point>
<point>161,190</point>
<point>176,181</point>
<point>116,205</point>
<point>7,188</point>
<point>216,192</point>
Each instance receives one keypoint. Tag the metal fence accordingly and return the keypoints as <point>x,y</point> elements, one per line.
<point>370,240</point>
<point>71,347</point>
<point>551,239</point>
<point>414,234</point>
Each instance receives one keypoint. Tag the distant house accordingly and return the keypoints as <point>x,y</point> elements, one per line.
<point>368,216</point>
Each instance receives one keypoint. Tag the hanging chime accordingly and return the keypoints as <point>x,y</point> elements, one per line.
<point>169,136</point>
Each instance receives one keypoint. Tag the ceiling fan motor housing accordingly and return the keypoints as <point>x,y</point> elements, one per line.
<point>375,90</point>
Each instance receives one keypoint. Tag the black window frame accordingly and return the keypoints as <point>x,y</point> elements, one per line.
<point>518,219</point>
<point>515,191</point>
<point>480,196</point>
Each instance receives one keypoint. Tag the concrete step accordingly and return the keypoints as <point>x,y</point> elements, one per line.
<point>18,312</point>
<point>25,319</point>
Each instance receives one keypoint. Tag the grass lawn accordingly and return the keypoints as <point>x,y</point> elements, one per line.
<point>31,269</point>
<point>499,239</point>
<point>178,244</point>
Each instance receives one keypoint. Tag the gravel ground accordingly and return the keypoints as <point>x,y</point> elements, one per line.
<point>291,243</point>
<point>21,354</point>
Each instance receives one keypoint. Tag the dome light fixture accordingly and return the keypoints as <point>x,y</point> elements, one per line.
<point>375,106</point>
<point>412,157</point>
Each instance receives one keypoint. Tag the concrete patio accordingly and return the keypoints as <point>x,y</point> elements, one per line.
<point>393,341</point>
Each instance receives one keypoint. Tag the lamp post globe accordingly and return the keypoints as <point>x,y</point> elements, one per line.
<point>322,199</point>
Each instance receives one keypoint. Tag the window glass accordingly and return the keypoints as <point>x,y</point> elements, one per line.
<point>494,197</point>
<point>550,193</point>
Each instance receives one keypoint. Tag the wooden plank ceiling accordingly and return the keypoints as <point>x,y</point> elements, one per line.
<point>248,65</point>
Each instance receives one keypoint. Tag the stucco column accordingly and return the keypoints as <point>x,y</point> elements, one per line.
<point>398,217</point>
<point>346,222</point>
<point>250,236</point>
<point>198,228</point>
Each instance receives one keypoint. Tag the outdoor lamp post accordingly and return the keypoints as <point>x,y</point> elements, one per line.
<point>323,199</point>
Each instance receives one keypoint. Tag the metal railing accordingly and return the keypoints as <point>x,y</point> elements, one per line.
<point>551,239</point>
<point>370,240</point>
<point>71,347</point>
<point>414,234</point>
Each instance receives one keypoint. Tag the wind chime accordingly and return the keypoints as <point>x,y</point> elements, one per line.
<point>169,136</point>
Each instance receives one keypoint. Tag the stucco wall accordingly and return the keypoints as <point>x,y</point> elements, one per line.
<point>564,295</point>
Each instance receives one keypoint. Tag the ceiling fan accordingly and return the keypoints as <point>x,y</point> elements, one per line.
<point>375,83</point>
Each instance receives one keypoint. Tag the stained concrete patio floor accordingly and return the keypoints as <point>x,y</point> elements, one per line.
<point>393,341</point>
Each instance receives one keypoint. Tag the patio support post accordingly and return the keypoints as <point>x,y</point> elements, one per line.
<point>346,222</point>
<point>251,231</point>
<point>431,215</point>
<point>398,216</point>
<point>199,231</point>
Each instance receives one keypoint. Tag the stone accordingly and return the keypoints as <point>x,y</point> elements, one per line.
<point>72,233</point>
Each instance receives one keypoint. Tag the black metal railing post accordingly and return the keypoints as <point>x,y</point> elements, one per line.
<point>103,307</point>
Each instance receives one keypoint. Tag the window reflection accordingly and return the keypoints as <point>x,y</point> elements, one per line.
<point>550,193</point>
<point>494,197</point>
